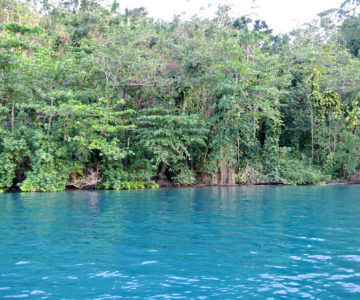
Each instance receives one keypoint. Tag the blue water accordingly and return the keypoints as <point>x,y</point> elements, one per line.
<point>195,243</point>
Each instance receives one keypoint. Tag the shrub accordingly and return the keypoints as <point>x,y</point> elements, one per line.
<point>347,159</point>
<point>7,172</point>
<point>117,178</point>
<point>44,181</point>
<point>293,171</point>
<point>250,175</point>
<point>46,177</point>
<point>185,177</point>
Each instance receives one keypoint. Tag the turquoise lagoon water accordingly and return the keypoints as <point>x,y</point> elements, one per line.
<point>195,243</point>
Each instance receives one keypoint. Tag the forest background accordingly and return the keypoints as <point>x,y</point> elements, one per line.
<point>94,97</point>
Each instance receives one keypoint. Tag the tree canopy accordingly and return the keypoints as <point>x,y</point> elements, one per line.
<point>93,97</point>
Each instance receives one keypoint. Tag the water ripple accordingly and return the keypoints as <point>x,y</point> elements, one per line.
<point>210,243</point>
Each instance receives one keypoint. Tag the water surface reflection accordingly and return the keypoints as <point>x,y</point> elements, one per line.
<point>297,242</point>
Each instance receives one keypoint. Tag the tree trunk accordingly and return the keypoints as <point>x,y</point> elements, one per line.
<point>13,117</point>
<point>50,118</point>
<point>227,174</point>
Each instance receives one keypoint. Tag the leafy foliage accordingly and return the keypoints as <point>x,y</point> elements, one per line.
<point>293,171</point>
<point>90,96</point>
<point>115,177</point>
<point>185,177</point>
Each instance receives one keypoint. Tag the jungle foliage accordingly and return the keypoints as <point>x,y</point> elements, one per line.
<point>93,97</point>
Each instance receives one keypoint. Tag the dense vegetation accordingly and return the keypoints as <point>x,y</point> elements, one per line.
<point>90,96</point>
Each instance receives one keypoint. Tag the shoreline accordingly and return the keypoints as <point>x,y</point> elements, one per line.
<point>170,185</point>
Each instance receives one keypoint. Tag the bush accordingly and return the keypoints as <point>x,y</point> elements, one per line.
<point>44,181</point>
<point>51,176</point>
<point>7,172</point>
<point>250,175</point>
<point>293,171</point>
<point>13,152</point>
<point>46,178</point>
<point>117,178</point>
<point>185,177</point>
<point>347,159</point>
